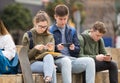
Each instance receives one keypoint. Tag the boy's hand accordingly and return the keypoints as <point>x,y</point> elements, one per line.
<point>107,58</point>
<point>72,47</point>
<point>60,47</point>
<point>100,57</point>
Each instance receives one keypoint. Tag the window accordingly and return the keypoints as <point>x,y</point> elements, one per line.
<point>36,2</point>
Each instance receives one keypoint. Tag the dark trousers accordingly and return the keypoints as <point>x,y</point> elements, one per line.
<point>111,66</point>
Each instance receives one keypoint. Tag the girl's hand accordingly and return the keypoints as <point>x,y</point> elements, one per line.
<point>39,47</point>
<point>49,46</point>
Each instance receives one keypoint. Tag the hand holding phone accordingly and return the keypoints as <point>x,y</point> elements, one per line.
<point>49,46</point>
<point>107,57</point>
<point>66,44</point>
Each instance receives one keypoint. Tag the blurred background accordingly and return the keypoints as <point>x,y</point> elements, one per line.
<point>17,15</point>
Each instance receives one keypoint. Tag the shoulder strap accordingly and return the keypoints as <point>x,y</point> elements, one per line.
<point>31,39</point>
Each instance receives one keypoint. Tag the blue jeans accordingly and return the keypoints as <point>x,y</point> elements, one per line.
<point>46,67</point>
<point>70,65</point>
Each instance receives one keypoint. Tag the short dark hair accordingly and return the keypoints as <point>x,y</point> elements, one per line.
<point>100,26</point>
<point>61,10</point>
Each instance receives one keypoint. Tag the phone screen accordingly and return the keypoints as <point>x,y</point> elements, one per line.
<point>66,44</point>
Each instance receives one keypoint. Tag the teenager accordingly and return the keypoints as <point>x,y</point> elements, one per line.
<point>92,45</point>
<point>67,43</point>
<point>43,41</point>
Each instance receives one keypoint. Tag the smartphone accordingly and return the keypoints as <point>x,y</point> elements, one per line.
<point>66,44</point>
<point>107,54</point>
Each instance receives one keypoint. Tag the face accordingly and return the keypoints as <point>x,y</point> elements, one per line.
<point>61,21</point>
<point>96,35</point>
<point>41,26</point>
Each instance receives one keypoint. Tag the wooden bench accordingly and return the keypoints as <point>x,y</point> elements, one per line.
<point>101,77</point>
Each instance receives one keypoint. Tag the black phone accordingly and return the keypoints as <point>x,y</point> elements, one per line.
<point>66,44</point>
<point>107,54</point>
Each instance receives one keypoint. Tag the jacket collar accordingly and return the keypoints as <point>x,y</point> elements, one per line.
<point>55,28</point>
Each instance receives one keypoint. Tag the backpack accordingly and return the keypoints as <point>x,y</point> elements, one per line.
<point>8,67</point>
<point>31,39</point>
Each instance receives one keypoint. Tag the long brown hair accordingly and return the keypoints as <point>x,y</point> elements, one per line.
<point>3,30</point>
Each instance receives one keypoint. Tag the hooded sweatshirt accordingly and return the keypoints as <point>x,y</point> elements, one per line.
<point>89,47</point>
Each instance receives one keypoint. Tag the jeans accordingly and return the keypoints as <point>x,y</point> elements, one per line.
<point>111,66</point>
<point>46,67</point>
<point>64,65</point>
<point>70,65</point>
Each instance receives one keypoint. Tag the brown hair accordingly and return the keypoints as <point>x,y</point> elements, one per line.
<point>61,10</point>
<point>3,30</point>
<point>100,26</point>
<point>41,16</point>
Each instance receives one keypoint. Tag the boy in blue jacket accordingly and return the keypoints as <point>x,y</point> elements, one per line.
<point>67,43</point>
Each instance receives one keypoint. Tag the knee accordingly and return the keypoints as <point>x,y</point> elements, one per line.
<point>48,56</point>
<point>114,65</point>
<point>90,61</point>
<point>66,62</point>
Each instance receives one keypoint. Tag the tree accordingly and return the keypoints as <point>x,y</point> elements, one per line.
<point>16,18</point>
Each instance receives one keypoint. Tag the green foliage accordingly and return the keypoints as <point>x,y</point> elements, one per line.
<point>15,16</point>
<point>117,6</point>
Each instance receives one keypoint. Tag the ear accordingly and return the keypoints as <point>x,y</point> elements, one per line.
<point>55,16</point>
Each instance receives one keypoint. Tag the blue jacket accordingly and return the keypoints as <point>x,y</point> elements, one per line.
<point>71,37</point>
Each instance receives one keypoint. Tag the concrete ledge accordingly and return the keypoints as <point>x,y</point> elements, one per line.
<point>101,77</point>
<point>38,78</point>
<point>115,53</point>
